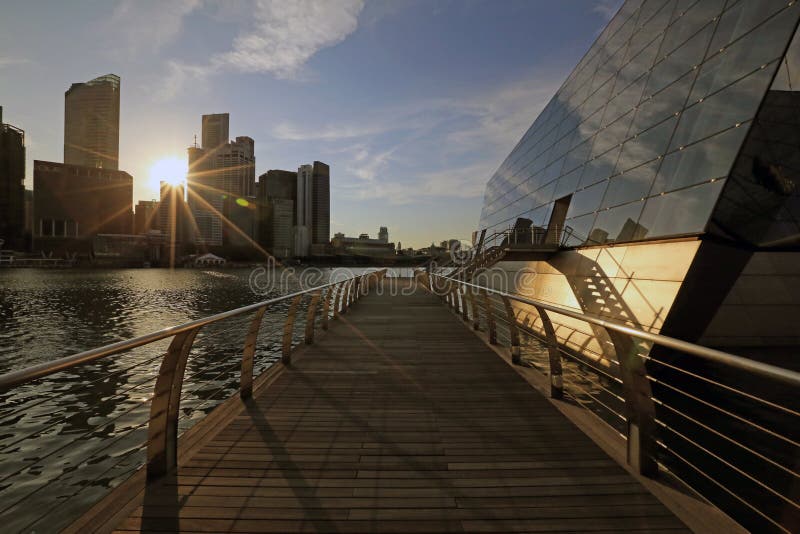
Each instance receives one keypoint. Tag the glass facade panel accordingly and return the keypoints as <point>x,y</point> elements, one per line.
<point>651,112</point>
<point>618,224</point>
<point>680,212</point>
<point>710,158</point>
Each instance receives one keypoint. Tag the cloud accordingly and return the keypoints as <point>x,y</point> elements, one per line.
<point>279,39</point>
<point>12,61</point>
<point>430,147</point>
<point>148,24</point>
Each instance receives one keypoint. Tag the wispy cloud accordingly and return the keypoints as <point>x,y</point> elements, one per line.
<point>280,38</point>
<point>11,61</point>
<point>461,140</point>
<point>149,24</point>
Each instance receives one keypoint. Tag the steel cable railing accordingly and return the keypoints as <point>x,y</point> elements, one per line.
<point>742,442</point>
<point>120,437</point>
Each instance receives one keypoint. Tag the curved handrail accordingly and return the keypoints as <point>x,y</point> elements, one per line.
<point>764,369</point>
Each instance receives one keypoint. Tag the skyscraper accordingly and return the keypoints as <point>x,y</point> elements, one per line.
<point>277,196</point>
<point>302,211</point>
<point>91,123</point>
<point>221,179</point>
<point>320,204</point>
<point>215,131</point>
<point>12,188</point>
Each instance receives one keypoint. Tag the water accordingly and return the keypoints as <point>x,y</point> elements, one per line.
<point>68,438</point>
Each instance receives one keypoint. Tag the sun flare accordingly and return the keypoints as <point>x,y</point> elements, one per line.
<point>171,170</point>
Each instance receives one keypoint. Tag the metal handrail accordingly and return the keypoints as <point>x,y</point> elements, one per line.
<point>165,402</point>
<point>745,364</point>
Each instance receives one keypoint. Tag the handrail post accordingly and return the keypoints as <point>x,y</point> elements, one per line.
<point>311,317</point>
<point>248,355</point>
<point>162,432</point>
<point>337,289</point>
<point>476,319</point>
<point>326,307</point>
<point>556,373</point>
<point>353,294</point>
<point>639,406</point>
<point>288,330</point>
<point>464,310</point>
<point>343,296</point>
<point>490,324</point>
<point>513,331</point>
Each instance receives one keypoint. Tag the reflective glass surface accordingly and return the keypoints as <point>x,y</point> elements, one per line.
<point>652,120</point>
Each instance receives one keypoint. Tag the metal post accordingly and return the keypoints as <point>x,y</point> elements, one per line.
<point>556,374</point>
<point>464,310</point>
<point>335,299</point>
<point>248,354</point>
<point>326,307</point>
<point>639,406</point>
<point>162,432</point>
<point>288,330</point>
<point>490,319</point>
<point>476,319</point>
<point>513,332</point>
<point>311,317</point>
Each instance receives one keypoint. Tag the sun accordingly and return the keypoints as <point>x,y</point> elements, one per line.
<point>171,170</point>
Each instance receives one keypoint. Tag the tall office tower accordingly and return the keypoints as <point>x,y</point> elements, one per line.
<point>277,195</point>
<point>12,187</point>
<point>215,131</point>
<point>221,180</point>
<point>320,204</point>
<point>71,201</point>
<point>91,123</point>
<point>383,234</point>
<point>303,210</point>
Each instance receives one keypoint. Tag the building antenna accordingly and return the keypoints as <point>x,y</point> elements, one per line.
<point>195,140</point>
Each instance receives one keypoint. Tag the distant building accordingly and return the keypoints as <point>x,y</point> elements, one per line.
<point>312,209</point>
<point>215,131</point>
<point>383,234</point>
<point>172,213</point>
<point>302,227</point>
<point>12,184</point>
<point>277,197</point>
<point>91,123</point>
<point>221,179</point>
<point>145,218</point>
<point>362,245</point>
<point>72,201</point>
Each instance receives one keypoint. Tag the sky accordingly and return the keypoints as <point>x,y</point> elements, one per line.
<point>413,103</point>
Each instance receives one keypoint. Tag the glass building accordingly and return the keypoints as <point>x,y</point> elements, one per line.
<point>668,168</point>
<point>661,128</point>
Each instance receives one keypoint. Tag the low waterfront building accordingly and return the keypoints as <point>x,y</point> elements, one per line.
<point>75,202</point>
<point>363,245</point>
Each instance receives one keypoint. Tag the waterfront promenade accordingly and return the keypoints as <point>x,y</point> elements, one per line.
<point>397,419</point>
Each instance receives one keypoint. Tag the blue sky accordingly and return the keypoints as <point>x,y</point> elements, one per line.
<point>414,104</point>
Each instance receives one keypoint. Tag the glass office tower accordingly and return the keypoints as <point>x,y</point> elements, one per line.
<point>668,167</point>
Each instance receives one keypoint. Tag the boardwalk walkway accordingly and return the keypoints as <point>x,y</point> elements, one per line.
<point>399,419</point>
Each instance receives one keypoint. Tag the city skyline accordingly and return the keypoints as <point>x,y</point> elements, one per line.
<point>406,137</point>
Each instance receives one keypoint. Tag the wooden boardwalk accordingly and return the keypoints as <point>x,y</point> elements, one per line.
<point>399,419</point>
